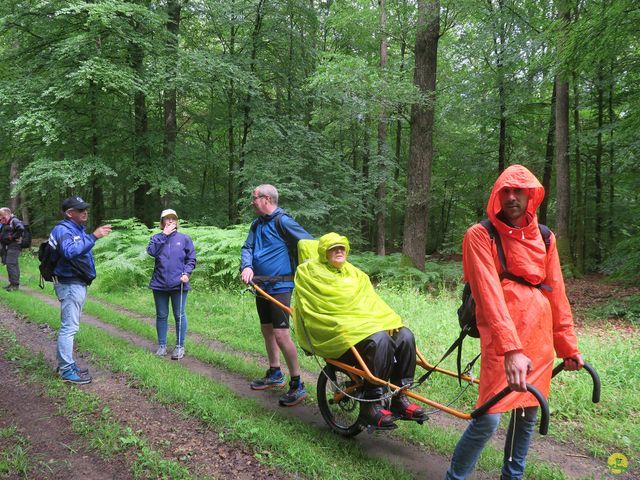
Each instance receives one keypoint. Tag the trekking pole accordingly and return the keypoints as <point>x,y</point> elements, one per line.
<point>180,316</point>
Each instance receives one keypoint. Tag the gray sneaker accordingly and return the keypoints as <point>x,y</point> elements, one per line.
<point>178,353</point>
<point>162,351</point>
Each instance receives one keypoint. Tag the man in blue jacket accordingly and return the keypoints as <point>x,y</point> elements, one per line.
<point>74,271</point>
<point>268,258</point>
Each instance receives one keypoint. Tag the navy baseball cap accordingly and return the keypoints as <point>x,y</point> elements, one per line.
<point>74,202</point>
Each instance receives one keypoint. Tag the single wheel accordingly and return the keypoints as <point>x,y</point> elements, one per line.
<point>338,410</point>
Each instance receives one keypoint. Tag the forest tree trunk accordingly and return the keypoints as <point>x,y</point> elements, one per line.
<point>174,9</point>
<point>562,145</point>
<point>421,139</point>
<point>381,189</point>
<point>548,159</point>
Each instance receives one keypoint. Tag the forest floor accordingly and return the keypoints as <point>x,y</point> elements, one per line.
<point>57,451</point>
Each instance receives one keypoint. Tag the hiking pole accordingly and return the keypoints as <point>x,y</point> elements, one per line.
<point>181,305</point>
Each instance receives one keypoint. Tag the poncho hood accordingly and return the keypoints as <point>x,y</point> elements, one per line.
<point>516,176</point>
<point>336,308</point>
<point>329,240</point>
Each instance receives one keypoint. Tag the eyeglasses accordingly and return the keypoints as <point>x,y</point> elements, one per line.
<point>255,197</point>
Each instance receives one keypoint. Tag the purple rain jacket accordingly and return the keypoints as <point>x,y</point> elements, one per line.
<point>175,255</point>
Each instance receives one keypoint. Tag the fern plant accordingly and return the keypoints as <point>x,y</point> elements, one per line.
<point>123,262</point>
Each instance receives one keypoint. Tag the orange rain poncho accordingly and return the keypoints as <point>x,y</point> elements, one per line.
<point>335,309</point>
<point>510,315</point>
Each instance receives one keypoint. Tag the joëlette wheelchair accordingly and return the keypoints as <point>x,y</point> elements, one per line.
<point>340,390</point>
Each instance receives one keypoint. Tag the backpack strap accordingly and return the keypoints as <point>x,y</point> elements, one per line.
<point>546,235</point>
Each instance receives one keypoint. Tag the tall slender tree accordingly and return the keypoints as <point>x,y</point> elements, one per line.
<point>421,143</point>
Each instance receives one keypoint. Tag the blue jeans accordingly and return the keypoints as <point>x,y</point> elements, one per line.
<point>72,299</point>
<point>178,305</point>
<point>480,431</point>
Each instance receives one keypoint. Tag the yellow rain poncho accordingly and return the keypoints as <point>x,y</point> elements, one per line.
<point>335,309</point>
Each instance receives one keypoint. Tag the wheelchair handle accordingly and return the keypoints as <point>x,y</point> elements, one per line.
<point>544,406</point>
<point>595,397</point>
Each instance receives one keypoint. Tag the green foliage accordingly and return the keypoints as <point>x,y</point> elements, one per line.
<point>388,271</point>
<point>70,174</point>
<point>624,261</point>
<point>123,263</point>
<point>121,257</point>
<point>625,308</point>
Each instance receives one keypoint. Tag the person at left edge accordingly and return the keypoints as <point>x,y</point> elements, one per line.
<point>175,259</point>
<point>10,235</point>
<point>75,270</point>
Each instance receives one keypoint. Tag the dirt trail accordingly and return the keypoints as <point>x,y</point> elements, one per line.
<point>187,440</point>
<point>422,464</point>
<point>54,450</point>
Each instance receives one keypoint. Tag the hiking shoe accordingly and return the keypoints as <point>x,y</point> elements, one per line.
<point>374,415</point>
<point>72,376</point>
<point>273,378</point>
<point>178,353</point>
<point>407,410</point>
<point>11,287</point>
<point>294,396</point>
<point>162,351</point>
<point>78,370</point>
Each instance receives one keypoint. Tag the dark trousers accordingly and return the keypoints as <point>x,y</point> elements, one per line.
<point>387,356</point>
<point>10,254</point>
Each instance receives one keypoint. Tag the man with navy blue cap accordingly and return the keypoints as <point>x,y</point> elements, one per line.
<point>74,271</point>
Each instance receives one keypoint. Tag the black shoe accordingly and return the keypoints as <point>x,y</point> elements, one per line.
<point>404,409</point>
<point>11,288</point>
<point>374,415</point>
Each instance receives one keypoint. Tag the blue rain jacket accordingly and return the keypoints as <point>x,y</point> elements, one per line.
<point>73,244</point>
<point>266,252</point>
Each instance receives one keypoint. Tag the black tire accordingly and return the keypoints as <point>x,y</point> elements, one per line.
<point>341,416</point>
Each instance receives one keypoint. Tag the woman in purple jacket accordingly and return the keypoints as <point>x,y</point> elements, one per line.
<point>175,260</point>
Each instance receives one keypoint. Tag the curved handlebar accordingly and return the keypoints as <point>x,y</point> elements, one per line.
<point>544,406</point>
<point>595,397</point>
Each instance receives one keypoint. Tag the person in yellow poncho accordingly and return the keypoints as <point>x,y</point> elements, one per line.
<point>335,308</point>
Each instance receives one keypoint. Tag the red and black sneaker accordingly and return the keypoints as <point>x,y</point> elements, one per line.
<point>374,415</point>
<point>406,410</point>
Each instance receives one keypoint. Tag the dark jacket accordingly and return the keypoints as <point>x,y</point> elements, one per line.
<point>12,231</point>
<point>73,245</point>
<point>175,255</point>
<point>266,252</point>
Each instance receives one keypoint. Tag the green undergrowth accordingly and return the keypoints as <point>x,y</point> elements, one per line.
<point>624,308</point>
<point>314,453</point>
<point>88,419</point>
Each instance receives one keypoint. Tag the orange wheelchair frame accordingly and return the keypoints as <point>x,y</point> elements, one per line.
<point>340,385</point>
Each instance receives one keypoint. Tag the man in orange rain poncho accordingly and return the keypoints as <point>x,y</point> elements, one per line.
<point>335,308</point>
<point>520,325</point>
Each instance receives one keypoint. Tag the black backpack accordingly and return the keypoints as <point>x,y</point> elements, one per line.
<point>48,257</point>
<point>467,309</point>
<point>25,241</point>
